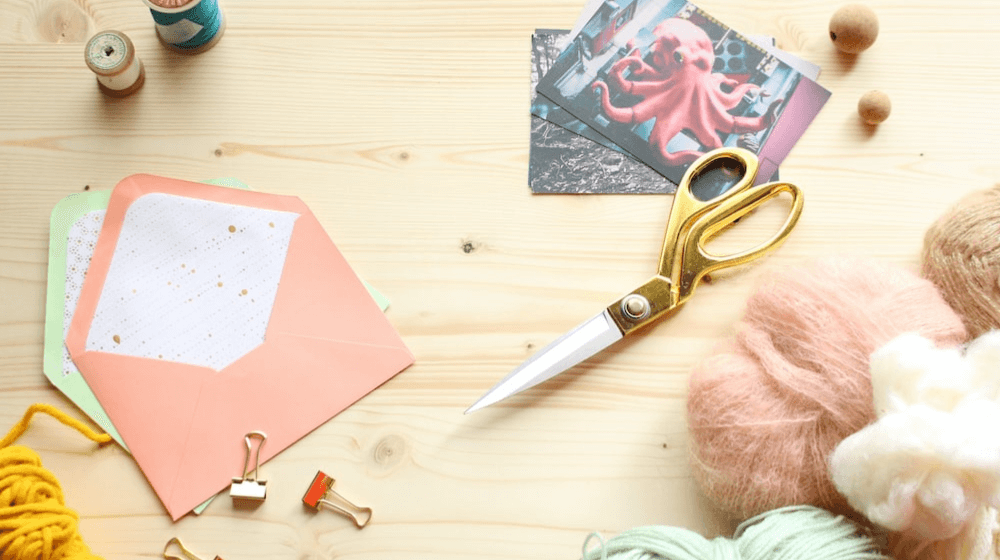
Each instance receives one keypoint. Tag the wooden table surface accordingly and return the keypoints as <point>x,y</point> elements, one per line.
<point>404,126</point>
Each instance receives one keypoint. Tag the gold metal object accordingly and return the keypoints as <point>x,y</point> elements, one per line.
<point>684,262</point>
<point>715,192</point>
<point>249,487</point>
<point>188,555</point>
<point>321,493</point>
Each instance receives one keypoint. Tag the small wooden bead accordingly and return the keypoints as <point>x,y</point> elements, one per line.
<point>853,28</point>
<point>874,107</point>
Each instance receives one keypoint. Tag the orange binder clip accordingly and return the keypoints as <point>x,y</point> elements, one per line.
<point>321,493</point>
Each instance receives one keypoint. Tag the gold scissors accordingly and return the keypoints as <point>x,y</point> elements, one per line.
<point>716,190</point>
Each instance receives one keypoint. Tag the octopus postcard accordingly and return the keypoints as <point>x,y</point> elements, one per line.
<point>568,156</point>
<point>668,82</point>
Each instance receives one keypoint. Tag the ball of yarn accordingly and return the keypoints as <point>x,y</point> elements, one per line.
<point>962,257</point>
<point>766,411</point>
<point>853,28</point>
<point>929,467</point>
<point>978,542</point>
<point>35,523</point>
<point>792,533</point>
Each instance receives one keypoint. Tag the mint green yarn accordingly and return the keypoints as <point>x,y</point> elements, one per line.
<point>789,533</point>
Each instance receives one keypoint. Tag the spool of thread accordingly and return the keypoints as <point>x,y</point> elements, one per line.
<point>792,533</point>
<point>111,55</point>
<point>768,409</point>
<point>188,26</point>
<point>962,257</point>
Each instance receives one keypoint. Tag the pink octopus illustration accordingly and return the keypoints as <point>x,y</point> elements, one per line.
<point>679,90</point>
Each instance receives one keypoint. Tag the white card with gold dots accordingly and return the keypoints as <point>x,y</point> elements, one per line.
<point>192,281</point>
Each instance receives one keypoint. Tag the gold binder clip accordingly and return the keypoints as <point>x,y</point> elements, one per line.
<point>249,487</point>
<point>321,493</point>
<point>188,555</point>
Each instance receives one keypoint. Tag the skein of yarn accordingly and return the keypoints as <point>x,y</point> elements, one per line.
<point>962,257</point>
<point>766,411</point>
<point>929,467</point>
<point>791,533</point>
<point>35,523</point>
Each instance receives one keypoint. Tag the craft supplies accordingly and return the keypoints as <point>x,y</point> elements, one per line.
<point>166,244</point>
<point>111,55</point>
<point>961,255</point>
<point>790,533</point>
<point>874,107</point>
<point>249,487</point>
<point>714,193</point>
<point>929,466</point>
<point>187,554</point>
<point>767,409</point>
<point>853,28</point>
<point>321,494</point>
<point>37,524</point>
<point>188,26</point>
<point>74,227</point>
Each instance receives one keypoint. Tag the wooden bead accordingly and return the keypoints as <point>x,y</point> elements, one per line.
<point>853,28</point>
<point>874,107</point>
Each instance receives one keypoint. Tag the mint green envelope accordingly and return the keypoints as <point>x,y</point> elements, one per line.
<point>75,223</point>
<point>56,363</point>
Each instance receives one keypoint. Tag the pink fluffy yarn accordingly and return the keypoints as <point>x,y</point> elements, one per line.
<point>767,410</point>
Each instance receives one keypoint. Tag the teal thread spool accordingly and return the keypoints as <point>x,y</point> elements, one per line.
<point>188,26</point>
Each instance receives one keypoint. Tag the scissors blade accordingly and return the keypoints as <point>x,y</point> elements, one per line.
<point>577,345</point>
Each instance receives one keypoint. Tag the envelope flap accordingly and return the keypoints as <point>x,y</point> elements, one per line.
<point>152,404</point>
<point>323,297</point>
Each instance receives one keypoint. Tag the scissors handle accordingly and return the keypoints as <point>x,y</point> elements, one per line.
<point>697,262</point>
<point>693,221</point>
<point>692,200</point>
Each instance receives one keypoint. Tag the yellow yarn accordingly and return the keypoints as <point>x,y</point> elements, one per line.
<point>35,523</point>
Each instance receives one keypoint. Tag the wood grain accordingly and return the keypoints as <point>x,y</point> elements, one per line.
<point>404,126</point>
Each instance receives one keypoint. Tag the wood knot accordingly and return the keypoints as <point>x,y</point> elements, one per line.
<point>62,21</point>
<point>469,246</point>
<point>389,453</point>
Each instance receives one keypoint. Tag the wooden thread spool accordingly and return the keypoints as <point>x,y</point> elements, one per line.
<point>111,55</point>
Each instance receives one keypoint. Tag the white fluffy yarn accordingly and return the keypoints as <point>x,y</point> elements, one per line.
<point>930,463</point>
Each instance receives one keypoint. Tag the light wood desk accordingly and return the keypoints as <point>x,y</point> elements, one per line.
<point>404,126</point>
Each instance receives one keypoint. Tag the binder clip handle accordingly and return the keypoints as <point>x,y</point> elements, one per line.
<point>188,555</point>
<point>256,460</point>
<point>321,494</point>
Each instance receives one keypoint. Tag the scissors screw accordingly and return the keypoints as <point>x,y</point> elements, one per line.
<point>635,306</point>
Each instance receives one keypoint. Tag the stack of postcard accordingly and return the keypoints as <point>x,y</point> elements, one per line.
<point>639,89</point>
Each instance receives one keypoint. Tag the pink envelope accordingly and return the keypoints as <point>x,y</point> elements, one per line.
<point>326,345</point>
